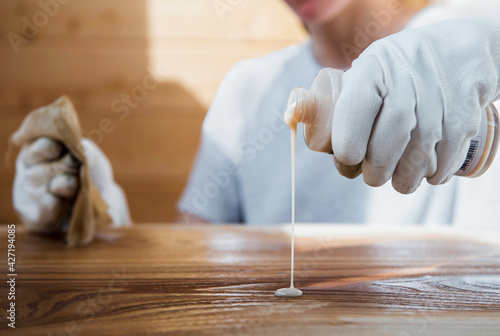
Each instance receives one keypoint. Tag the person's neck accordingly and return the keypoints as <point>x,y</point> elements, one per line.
<point>339,42</point>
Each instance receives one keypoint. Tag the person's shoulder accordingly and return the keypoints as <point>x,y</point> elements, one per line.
<point>436,13</point>
<point>433,14</point>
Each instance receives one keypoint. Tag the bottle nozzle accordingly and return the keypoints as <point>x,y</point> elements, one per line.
<point>300,106</point>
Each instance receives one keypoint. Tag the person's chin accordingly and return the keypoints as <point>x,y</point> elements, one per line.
<point>308,11</point>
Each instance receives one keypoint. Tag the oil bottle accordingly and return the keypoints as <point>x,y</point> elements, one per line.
<point>314,108</point>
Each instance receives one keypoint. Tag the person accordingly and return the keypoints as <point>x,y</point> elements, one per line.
<point>406,81</point>
<point>418,82</point>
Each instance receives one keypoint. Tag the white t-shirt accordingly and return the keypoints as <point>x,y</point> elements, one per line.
<point>242,171</point>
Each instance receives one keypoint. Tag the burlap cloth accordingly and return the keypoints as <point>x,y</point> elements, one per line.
<point>59,121</point>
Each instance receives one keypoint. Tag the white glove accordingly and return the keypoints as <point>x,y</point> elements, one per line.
<point>46,183</point>
<point>412,101</point>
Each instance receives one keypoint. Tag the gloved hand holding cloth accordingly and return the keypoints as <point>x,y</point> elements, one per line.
<point>64,183</point>
<point>411,102</point>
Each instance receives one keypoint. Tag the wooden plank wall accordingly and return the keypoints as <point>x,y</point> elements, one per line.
<point>97,50</point>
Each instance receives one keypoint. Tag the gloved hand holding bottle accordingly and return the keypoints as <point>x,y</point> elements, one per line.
<point>47,179</point>
<point>411,103</point>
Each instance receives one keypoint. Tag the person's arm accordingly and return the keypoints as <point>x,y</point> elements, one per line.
<point>212,193</point>
<point>47,181</point>
<point>411,102</point>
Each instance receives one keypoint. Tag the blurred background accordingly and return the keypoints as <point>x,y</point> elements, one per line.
<point>141,74</point>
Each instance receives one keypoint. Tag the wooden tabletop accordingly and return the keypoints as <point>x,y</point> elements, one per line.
<point>219,280</point>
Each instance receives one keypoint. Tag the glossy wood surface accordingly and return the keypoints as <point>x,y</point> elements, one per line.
<point>219,280</point>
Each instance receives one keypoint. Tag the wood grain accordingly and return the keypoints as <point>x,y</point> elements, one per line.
<point>219,280</point>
